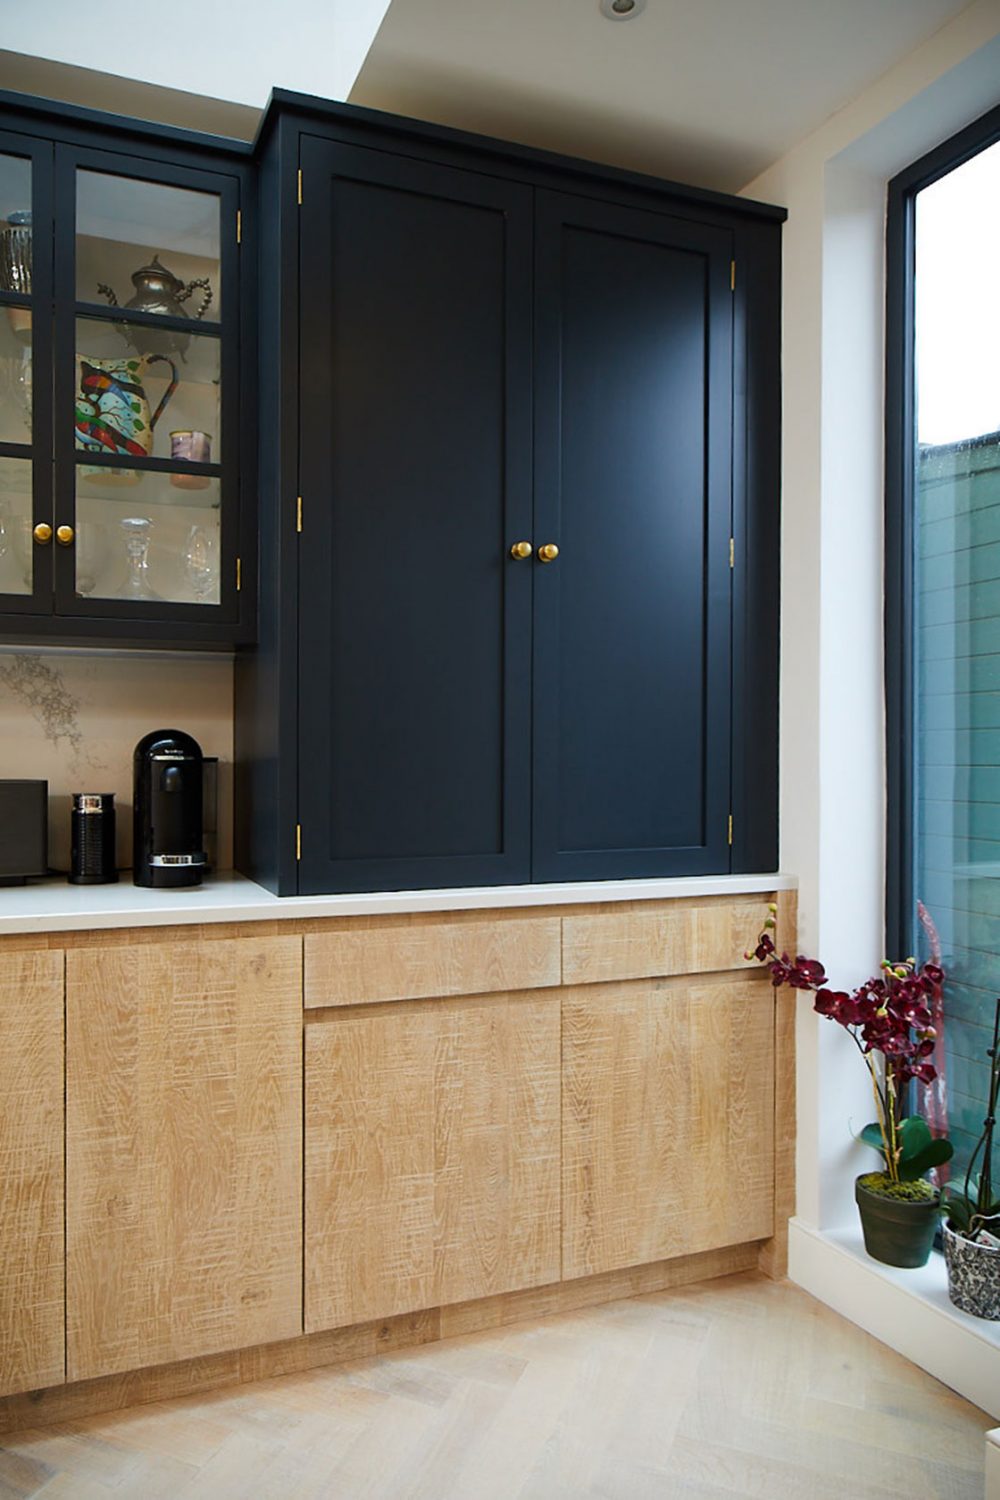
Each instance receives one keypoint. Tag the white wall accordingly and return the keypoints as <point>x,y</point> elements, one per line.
<point>832,763</point>
<point>235,51</point>
<point>832,760</point>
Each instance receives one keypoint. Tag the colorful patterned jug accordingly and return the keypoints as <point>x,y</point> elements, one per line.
<point>112,409</point>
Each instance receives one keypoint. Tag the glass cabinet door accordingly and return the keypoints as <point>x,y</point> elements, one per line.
<point>23,557</point>
<point>145,370</point>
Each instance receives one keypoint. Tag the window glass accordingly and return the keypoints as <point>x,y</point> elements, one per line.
<point>956,612</point>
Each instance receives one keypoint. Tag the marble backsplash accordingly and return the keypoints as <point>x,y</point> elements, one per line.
<point>74,718</point>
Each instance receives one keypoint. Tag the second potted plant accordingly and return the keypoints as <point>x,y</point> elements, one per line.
<point>890,1020</point>
<point>972,1214</point>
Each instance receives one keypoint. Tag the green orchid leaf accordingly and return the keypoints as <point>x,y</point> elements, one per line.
<point>872,1136</point>
<point>914,1136</point>
<point>934,1155</point>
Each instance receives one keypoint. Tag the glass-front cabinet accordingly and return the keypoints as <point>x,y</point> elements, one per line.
<point>121,457</point>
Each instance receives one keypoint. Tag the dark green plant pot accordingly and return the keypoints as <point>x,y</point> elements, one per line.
<point>896,1232</point>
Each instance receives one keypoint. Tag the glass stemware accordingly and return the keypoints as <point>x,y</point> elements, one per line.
<point>137,531</point>
<point>201,563</point>
<point>91,552</point>
<point>23,547</point>
<point>15,386</point>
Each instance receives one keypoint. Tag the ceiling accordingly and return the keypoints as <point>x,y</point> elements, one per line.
<point>703,91</point>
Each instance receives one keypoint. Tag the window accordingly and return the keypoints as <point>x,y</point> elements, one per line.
<point>943,592</point>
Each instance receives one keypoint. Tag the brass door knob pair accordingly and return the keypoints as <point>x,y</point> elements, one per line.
<point>548,553</point>
<point>43,534</point>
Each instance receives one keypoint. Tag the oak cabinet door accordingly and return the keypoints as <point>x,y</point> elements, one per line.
<point>183,1096</point>
<point>668,1127</point>
<point>432,1155</point>
<point>32,1267</point>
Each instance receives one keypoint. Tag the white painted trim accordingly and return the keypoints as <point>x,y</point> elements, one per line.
<point>993,1464</point>
<point>908,1310</point>
<point>56,906</point>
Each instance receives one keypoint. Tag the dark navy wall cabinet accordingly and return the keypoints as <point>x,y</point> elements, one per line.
<point>466,346</point>
<point>415,430</point>
<point>633,482</point>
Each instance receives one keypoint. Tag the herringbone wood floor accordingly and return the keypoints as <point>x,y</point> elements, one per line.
<point>737,1387</point>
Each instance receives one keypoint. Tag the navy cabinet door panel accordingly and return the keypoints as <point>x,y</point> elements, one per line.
<point>633,483</point>
<point>414,629</point>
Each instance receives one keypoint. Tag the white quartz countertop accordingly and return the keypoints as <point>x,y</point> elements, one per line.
<point>56,906</point>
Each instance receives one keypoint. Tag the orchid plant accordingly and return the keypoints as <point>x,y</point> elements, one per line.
<point>890,1020</point>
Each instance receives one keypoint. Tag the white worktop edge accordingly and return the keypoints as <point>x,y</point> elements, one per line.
<point>56,906</point>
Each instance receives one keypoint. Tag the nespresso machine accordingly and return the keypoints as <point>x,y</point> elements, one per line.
<point>167,848</point>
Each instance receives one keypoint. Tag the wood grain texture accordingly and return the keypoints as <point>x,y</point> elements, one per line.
<point>668,1127</point>
<point>362,964</point>
<point>31,1171</point>
<point>432,1155</point>
<point>673,937</point>
<point>59,1404</point>
<point>183,1150</point>
<point>774,1252</point>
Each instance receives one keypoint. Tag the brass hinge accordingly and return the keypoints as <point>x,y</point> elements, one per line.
<point>298,842</point>
<point>300,187</point>
<point>298,515</point>
<point>732,552</point>
<point>730,830</point>
<point>239,574</point>
<point>732,272</point>
<point>239,227</point>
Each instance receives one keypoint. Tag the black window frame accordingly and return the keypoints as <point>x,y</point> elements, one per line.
<point>900,896</point>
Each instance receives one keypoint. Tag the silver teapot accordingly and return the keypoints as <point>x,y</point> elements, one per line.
<point>160,292</point>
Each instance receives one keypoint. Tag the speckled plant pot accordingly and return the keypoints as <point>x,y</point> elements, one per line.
<point>973,1275</point>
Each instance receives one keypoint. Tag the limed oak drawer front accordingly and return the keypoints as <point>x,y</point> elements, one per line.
<point>681,939</point>
<point>363,965</point>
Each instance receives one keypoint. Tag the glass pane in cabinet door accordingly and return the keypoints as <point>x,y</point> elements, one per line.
<point>15,376</point>
<point>15,225</point>
<point>17,545</point>
<point>134,401</point>
<point>141,537</point>
<point>145,246</point>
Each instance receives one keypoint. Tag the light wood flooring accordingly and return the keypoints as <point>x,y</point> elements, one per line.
<point>736,1387</point>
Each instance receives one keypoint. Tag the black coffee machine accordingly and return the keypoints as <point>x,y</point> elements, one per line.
<point>167,846</point>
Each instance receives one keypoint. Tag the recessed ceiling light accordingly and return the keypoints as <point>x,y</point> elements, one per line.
<point>621,10</point>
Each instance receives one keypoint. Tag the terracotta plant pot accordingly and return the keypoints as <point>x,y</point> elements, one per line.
<point>896,1232</point>
<point>973,1275</point>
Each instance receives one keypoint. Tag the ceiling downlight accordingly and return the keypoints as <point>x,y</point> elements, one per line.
<point>621,10</point>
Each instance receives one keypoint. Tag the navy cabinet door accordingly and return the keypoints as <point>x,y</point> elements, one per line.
<point>414,621</point>
<point>633,443</point>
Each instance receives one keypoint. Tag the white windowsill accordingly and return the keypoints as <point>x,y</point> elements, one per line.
<point>908,1310</point>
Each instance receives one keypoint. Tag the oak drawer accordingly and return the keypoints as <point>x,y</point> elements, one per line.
<point>361,965</point>
<point>680,938</point>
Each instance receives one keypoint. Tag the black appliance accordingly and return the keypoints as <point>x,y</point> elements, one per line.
<point>167,844</point>
<point>24,831</point>
<point>92,839</point>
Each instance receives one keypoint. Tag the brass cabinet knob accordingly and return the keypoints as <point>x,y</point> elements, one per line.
<point>548,553</point>
<point>42,533</point>
<point>520,550</point>
<point>64,536</point>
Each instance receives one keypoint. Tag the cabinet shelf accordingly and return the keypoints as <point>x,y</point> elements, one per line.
<point>143,465</point>
<point>101,311</point>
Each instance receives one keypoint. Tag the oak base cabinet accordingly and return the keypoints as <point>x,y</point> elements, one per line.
<point>668,1119</point>
<point>183,1208</point>
<point>31,1171</point>
<point>432,1155</point>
